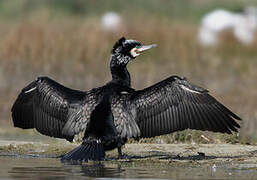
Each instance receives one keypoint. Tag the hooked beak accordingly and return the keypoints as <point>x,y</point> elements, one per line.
<point>145,47</point>
<point>138,50</point>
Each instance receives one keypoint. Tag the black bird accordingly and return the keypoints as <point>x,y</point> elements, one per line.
<point>111,114</point>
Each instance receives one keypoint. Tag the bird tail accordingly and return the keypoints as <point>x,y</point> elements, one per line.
<point>89,150</point>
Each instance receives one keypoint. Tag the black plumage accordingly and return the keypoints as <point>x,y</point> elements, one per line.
<point>111,114</point>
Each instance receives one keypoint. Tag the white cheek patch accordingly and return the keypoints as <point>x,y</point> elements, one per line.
<point>134,52</point>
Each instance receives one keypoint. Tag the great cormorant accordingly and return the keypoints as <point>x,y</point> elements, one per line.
<point>111,114</point>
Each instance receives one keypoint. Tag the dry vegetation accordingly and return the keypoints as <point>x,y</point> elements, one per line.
<point>75,52</point>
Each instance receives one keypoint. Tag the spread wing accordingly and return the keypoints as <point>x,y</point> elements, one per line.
<point>175,104</point>
<point>53,109</point>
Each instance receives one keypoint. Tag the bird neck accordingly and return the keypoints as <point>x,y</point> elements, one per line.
<point>120,73</point>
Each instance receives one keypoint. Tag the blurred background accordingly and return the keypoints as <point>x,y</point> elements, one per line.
<point>212,43</point>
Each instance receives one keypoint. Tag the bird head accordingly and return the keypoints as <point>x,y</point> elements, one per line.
<point>125,50</point>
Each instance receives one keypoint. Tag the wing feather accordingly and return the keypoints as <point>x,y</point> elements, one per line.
<point>51,108</point>
<point>175,104</point>
<point>124,119</point>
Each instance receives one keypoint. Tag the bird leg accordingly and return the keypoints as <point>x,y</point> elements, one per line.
<point>120,156</point>
<point>123,156</point>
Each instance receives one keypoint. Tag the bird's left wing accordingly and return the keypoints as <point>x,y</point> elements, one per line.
<point>175,104</point>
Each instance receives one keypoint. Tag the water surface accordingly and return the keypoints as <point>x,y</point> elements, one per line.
<point>13,167</point>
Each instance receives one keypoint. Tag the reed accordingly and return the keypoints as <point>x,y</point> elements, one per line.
<point>76,52</point>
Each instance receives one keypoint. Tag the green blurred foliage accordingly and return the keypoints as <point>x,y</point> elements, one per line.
<point>191,10</point>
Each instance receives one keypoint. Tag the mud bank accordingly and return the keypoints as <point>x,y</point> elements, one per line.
<point>165,153</point>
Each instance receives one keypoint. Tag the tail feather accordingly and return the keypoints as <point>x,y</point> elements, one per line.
<point>86,151</point>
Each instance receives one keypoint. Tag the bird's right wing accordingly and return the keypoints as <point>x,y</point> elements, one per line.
<point>53,109</point>
<point>175,104</point>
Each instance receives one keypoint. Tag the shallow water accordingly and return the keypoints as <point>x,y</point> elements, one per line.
<point>52,168</point>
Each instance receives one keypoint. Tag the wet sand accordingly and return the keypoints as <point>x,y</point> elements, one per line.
<point>176,153</point>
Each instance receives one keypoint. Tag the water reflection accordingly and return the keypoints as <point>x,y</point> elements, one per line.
<point>92,170</point>
<point>101,171</point>
<point>52,168</point>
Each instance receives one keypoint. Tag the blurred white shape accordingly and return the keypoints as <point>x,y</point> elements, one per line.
<point>208,37</point>
<point>214,168</point>
<point>243,30</point>
<point>218,20</point>
<point>111,21</point>
<point>243,25</point>
<point>212,24</point>
<point>246,25</point>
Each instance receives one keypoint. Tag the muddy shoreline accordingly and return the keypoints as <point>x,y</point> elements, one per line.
<point>154,153</point>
